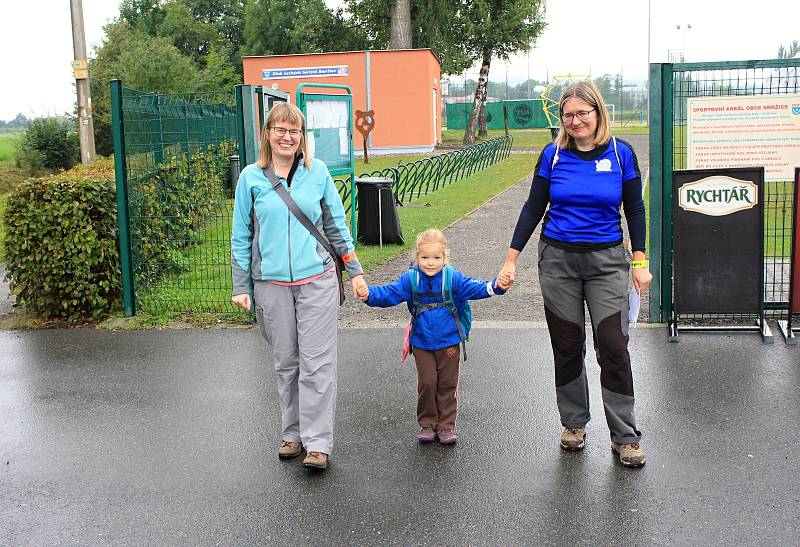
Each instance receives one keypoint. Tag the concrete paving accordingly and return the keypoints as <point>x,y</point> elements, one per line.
<point>169,437</point>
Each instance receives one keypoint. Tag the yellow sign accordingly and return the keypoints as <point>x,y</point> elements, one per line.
<point>80,69</point>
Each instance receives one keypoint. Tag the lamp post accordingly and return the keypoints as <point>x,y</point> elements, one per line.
<point>683,29</point>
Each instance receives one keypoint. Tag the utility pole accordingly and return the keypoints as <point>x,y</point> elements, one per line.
<point>80,67</point>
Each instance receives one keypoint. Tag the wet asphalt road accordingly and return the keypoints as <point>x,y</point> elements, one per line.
<point>169,437</point>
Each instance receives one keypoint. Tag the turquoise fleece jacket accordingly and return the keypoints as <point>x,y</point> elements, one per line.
<point>269,243</point>
<point>436,328</point>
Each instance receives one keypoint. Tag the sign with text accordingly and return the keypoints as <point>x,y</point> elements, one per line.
<point>717,241</point>
<point>304,72</point>
<point>744,131</point>
<point>718,196</point>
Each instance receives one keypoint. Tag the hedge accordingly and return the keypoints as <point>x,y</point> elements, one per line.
<point>62,255</point>
<point>62,259</point>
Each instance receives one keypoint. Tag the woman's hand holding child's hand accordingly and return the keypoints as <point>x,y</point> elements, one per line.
<point>360,288</point>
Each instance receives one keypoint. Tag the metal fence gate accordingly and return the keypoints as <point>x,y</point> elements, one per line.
<point>670,87</point>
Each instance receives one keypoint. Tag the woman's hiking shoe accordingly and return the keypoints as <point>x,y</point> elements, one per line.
<point>630,454</point>
<point>289,449</point>
<point>447,436</point>
<point>426,435</point>
<point>316,460</point>
<point>573,438</point>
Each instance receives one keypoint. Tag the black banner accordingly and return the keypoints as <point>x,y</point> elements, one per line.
<point>718,240</point>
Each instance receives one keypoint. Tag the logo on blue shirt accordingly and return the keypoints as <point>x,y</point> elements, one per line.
<point>602,166</point>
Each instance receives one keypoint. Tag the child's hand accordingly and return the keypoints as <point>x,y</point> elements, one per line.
<point>507,275</point>
<point>360,288</point>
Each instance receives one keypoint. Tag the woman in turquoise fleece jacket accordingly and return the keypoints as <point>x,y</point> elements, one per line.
<point>294,280</point>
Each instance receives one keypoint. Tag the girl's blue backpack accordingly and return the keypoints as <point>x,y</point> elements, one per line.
<point>463,319</point>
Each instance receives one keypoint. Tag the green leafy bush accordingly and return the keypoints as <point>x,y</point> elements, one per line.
<point>62,255</point>
<point>48,143</point>
<point>61,243</point>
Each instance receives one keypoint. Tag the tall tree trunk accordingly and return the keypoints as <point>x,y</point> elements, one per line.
<point>482,129</point>
<point>477,102</point>
<point>400,34</point>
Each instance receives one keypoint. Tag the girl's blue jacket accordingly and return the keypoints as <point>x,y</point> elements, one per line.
<point>436,328</point>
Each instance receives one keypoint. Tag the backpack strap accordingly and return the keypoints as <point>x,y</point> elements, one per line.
<point>412,278</point>
<point>447,296</point>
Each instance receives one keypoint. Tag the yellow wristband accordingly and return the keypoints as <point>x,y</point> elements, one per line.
<point>639,264</point>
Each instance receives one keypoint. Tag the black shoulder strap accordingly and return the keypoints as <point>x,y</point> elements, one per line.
<point>296,211</point>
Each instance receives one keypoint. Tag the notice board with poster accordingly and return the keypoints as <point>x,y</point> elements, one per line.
<point>743,131</point>
<point>718,245</point>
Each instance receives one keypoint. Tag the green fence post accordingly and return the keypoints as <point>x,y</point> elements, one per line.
<point>158,150</point>
<point>240,124</point>
<point>656,123</point>
<point>667,132</point>
<point>121,178</point>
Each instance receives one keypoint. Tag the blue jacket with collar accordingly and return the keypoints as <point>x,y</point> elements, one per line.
<point>436,328</point>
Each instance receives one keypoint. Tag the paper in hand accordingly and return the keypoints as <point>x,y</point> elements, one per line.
<point>634,302</point>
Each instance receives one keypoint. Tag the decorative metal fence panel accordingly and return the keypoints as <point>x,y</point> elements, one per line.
<point>418,178</point>
<point>672,85</point>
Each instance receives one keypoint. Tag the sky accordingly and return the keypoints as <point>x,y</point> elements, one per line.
<point>582,37</point>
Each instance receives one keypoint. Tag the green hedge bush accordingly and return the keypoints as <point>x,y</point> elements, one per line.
<point>61,253</point>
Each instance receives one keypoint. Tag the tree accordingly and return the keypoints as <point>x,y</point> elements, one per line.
<point>400,34</point>
<point>281,27</point>
<point>501,28</point>
<point>440,25</point>
<point>141,61</point>
<point>790,52</point>
<point>48,143</point>
<point>195,27</point>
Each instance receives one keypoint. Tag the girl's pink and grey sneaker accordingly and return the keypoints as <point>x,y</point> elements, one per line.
<point>426,435</point>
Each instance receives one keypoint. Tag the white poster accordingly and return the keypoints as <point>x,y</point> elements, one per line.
<point>745,131</point>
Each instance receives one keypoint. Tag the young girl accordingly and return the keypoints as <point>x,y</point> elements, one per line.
<point>435,336</point>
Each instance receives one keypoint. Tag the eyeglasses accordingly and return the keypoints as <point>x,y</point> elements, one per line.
<point>582,115</point>
<point>281,131</point>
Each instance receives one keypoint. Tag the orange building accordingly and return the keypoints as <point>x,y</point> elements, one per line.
<point>402,87</point>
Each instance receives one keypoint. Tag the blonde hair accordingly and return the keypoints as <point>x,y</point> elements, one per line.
<point>587,92</point>
<point>429,237</point>
<point>283,112</point>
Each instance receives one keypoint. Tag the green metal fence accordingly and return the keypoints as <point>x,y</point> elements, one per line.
<point>670,87</point>
<point>173,197</point>
<point>414,179</point>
